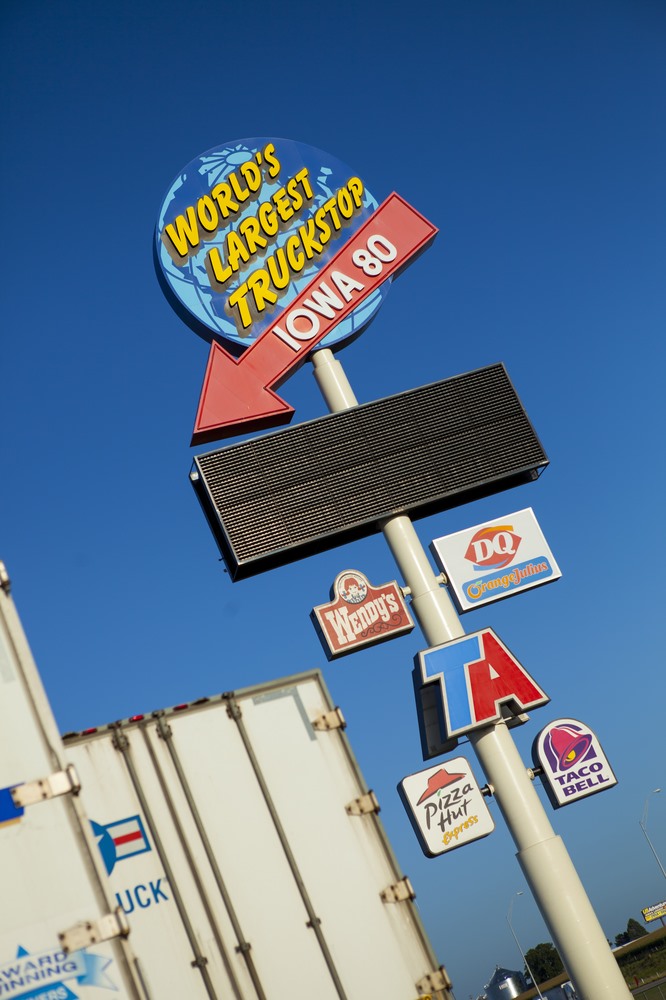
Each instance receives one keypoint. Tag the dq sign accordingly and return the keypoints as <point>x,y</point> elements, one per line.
<point>496,559</point>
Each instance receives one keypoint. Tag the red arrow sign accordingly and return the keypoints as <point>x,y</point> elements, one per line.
<point>237,394</point>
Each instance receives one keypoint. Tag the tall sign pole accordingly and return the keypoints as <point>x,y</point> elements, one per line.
<point>281,251</point>
<point>541,854</point>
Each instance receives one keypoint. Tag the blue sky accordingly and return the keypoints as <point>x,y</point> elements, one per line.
<point>533,136</point>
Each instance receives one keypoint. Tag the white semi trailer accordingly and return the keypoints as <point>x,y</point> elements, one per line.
<point>62,935</point>
<point>233,837</point>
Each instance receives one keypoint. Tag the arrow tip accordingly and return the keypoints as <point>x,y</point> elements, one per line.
<point>235,401</point>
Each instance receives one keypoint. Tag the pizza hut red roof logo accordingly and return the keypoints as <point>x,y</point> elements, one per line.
<point>436,782</point>
<point>359,614</point>
<point>494,546</point>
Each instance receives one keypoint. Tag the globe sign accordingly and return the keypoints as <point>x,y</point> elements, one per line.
<point>237,211</point>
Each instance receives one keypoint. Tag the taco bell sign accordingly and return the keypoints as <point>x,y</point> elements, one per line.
<point>572,763</point>
<point>495,560</point>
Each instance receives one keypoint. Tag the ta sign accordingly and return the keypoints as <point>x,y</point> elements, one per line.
<point>477,675</point>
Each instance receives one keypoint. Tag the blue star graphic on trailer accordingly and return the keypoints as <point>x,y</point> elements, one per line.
<point>43,975</point>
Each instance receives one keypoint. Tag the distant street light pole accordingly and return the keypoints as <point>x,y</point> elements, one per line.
<point>643,826</point>
<point>522,954</point>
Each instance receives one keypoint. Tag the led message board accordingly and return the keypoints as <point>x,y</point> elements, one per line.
<point>279,497</point>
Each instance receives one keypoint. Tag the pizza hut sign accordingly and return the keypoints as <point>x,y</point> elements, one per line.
<point>360,614</point>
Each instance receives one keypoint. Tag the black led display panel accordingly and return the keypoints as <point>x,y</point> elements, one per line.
<point>285,495</point>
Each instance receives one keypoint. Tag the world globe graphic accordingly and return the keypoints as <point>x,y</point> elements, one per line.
<point>187,285</point>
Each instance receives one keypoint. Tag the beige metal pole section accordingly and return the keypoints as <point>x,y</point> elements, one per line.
<point>552,878</point>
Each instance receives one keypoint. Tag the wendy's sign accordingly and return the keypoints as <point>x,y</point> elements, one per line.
<point>360,615</point>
